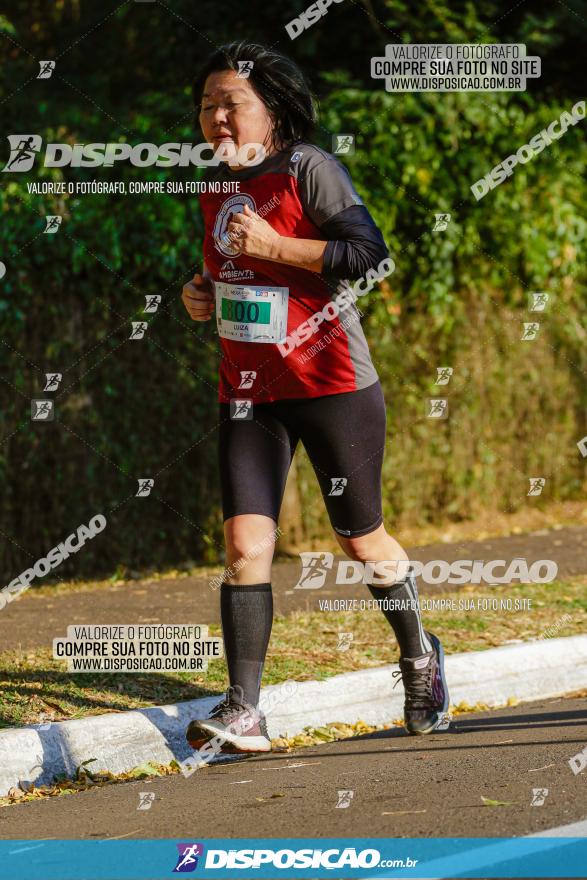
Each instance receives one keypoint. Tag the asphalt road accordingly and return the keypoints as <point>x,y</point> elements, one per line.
<point>402,787</point>
<point>191,600</point>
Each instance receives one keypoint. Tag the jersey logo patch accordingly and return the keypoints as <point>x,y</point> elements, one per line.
<point>295,157</point>
<point>233,205</point>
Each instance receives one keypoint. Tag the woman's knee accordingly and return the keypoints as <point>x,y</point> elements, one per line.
<point>363,548</point>
<point>249,536</point>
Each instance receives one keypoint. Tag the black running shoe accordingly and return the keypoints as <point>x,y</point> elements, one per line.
<point>426,691</point>
<point>234,724</point>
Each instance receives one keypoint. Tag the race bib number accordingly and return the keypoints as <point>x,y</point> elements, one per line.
<point>251,314</point>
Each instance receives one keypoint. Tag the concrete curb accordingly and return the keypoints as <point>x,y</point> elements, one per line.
<point>121,741</point>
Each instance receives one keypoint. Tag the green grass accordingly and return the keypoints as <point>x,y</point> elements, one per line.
<point>303,646</point>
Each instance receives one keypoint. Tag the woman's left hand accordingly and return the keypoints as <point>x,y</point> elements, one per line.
<point>253,236</point>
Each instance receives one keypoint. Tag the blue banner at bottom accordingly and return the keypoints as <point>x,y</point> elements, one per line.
<point>368,858</point>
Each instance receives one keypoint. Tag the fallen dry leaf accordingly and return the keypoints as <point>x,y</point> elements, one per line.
<point>491,803</point>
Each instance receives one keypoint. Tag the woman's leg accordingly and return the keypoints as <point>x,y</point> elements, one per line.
<point>254,457</point>
<point>344,436</point>
<point>246,600</point>
<point>397,589</point>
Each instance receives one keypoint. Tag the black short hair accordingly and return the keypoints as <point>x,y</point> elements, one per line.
<point>276,79</point>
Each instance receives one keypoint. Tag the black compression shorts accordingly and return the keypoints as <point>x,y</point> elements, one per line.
<point>344,436</point>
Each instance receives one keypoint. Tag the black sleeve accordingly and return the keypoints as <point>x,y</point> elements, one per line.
<point>355,244</point>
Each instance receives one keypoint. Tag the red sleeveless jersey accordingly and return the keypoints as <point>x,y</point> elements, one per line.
<point>295,191</point>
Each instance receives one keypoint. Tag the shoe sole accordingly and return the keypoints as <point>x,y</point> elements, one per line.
<point>443,723</point>
<point>232,742</point>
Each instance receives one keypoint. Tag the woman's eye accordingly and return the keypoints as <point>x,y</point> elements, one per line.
<point>208,107</point>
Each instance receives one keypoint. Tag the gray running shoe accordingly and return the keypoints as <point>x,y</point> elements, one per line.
<point>426,691</point>
<point>239,726</point>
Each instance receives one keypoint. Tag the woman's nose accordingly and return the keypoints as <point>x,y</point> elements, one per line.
<point>220,116</point>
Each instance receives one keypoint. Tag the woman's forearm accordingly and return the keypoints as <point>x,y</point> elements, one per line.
<point>303,253</point>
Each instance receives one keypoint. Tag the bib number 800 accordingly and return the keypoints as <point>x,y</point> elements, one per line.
<point>241,312</point>
<point>245,311</point>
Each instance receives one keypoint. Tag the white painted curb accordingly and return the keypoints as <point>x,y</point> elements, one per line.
<point>121,741</point>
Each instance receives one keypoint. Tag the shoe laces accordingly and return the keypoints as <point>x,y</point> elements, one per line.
<point>417,685</point>
<point>232,704</point>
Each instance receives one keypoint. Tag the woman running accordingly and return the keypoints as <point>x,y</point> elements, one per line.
<point>276,253</point>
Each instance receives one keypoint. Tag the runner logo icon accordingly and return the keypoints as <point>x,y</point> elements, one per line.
<point>338,484</point>
<point>188,857</point>
<point>313,574</point>
<point>247,378</point>
<point>23,151</point>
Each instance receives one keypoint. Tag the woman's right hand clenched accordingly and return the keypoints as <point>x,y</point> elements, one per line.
<point>198,298</point>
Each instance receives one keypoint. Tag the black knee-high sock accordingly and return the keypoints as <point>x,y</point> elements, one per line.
<point>406,621</point>
<point>247,615</point>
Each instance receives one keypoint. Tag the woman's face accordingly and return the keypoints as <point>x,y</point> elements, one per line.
<point>233,113</point>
